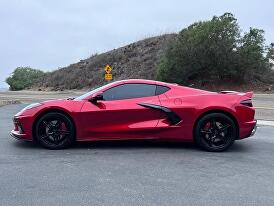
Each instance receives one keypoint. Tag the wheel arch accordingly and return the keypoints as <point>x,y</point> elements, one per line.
<point>217,111</point>
<point>49,110</point>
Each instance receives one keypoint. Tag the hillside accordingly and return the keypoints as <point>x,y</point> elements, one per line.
<point>136,60</point>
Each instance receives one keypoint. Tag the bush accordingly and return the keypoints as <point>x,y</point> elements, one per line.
<point>23,77</point>
<point>215,49</point>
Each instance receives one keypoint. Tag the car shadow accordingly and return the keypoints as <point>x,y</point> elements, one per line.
<point>134,144</point>
<point>114,144</point>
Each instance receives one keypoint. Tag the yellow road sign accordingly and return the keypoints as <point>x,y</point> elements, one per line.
<point>108,69</point>
<point>108,76</point>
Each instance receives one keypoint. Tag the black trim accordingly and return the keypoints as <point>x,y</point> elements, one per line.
<point>15,136</point>
<point>171,116</point>
<point>247,102</point>
<point>18,137</point>
<point>17,123</point>
<point>160,89</point>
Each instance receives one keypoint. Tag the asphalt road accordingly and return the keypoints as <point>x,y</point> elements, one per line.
<point>135,173</point>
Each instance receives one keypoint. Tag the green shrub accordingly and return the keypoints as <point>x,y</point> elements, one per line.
<point>215,49</point>
<point>23,77</point>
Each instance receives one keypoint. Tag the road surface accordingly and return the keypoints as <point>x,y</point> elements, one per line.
<point>135,173</point>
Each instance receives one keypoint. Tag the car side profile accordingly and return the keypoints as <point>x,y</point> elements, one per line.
<point>140,109</point>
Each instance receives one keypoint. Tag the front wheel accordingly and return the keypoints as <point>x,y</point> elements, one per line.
<point>215,132</point>
<point>55,130</point>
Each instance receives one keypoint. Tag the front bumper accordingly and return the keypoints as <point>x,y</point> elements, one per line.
<point>22,128</point>
<point>18,136</point>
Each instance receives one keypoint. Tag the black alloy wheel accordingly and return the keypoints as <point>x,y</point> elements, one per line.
<point>215,132</point>
<point>55,130</point>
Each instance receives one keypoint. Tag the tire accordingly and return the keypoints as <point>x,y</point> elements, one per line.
<point>54,130</point>
<point>215,132</point>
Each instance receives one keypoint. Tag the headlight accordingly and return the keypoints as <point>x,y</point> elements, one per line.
<point>28,107</point>
<point>32,106</point>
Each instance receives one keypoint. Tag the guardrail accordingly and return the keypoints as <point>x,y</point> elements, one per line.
<point>6,102</point>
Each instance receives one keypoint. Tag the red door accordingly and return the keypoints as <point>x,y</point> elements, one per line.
<point>119,119</point>
<point>119,115</point>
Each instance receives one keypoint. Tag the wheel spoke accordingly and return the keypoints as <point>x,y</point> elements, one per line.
<point>213,124</point>
<point>57,124</point>
<point>44,136</point>
<point>206,131</point>
<point>47,138</point>
<point>56,139</point>
<point>46,124</point>
<point>64,132</point>
<point>224,127</point>
<point>210,141</point>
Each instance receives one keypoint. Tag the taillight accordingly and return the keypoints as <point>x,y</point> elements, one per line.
<point>247,102</point>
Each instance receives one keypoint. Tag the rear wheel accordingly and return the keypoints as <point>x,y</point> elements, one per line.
<point>215,132</point>
<point>55,130</point>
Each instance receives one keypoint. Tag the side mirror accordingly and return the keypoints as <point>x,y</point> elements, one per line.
<point>96,98</point>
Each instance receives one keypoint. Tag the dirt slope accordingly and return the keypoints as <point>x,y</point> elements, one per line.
<point>136,60</point>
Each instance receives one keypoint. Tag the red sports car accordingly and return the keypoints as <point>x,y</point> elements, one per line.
<point>140,109</point>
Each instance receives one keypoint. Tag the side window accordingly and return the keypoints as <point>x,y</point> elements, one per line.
<point>129,91</point>
<point>161,89</point>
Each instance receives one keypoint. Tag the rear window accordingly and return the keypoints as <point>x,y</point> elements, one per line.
<point>161,89</point>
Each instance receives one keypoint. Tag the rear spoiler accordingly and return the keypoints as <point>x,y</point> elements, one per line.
<point>228,92</point>
<point>247,94</point>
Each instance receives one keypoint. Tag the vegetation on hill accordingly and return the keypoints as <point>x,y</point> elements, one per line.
<point>215,50</point>
<point>23,78</point>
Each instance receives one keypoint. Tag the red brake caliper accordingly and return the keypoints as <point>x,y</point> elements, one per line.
<point>207,126</point>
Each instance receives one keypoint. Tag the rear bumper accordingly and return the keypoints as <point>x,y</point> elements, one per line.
<point>248,129</point>
<point>253,131</point>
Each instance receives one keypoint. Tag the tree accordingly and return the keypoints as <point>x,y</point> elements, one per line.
<point>251,52</point>
<point>23,77</point>
<point>214,49</point>
<point>270,55</point>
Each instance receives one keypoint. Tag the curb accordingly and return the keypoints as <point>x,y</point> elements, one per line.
<point>265,108</point>
<point>265,123</point>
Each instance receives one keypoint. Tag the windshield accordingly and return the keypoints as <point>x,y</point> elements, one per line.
<point>93,91</point>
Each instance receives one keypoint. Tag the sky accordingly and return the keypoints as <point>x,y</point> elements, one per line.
<point>49,34</point>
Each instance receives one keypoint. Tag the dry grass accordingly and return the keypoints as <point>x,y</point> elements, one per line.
<point>136,60</point>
